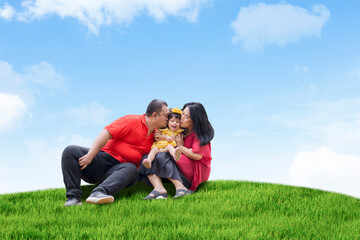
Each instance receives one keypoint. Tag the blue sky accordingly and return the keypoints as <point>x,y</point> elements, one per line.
<point>280,81</point>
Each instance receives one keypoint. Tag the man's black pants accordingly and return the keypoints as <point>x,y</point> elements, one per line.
<point>110,175</point>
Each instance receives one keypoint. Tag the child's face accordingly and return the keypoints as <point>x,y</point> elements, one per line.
<point>174,124</point>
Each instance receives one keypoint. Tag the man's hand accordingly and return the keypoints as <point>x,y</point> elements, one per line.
<point>99,142</point>
<point>85,161</point>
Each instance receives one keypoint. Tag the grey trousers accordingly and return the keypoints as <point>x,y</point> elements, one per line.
<point>110,175</point>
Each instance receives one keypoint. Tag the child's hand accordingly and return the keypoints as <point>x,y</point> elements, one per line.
<point>157,135</point>
<point>170,139</point>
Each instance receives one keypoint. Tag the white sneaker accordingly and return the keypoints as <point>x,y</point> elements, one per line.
<point>99,198</point>
<point>72,202</point>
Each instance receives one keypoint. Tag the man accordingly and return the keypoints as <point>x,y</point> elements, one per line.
<point>114,156</point>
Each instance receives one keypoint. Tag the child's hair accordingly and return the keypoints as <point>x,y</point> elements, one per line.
<point>175,112</point>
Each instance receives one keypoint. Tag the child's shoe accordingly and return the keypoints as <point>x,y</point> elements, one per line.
<point>146,162</point>
<point>177,154</point>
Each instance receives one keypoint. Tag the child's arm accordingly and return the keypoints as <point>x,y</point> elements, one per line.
<point>159,136</point>
<point>166,137</point>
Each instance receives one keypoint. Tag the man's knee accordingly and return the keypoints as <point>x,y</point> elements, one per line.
<point>132,173</point>
<point>70,153</point>
<point>130,169</point>
<point>70,149</point>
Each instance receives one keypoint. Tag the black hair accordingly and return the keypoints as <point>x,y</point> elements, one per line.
<point>155,106</point>
<point>173,114</point>
<point>202,127</point>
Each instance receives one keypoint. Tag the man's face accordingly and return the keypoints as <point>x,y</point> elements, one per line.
<point>163,117</point>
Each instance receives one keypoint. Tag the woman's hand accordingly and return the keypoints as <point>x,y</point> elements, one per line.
<point>179,139</point>
<point>85,161</point>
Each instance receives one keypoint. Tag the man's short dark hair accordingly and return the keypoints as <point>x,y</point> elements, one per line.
<point>155,106</point>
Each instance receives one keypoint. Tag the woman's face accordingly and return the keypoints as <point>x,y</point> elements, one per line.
<point>186,121</point>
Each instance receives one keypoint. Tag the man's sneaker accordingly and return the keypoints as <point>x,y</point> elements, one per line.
<point>72,202</point>
<point>98,197</point>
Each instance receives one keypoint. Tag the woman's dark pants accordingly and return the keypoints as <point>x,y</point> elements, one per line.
<point>110,175</point>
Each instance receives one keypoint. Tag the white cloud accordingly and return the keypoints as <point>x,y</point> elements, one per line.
<point>44,75</point>
<point>93,114</point>
<point>11,81</point>
<point>97,13</point>
<point>38,166</point>
<point>35,79</point>
<point>327,170</point>
<point>12,107</point>
<point>333,124</point>
<point>7,12</point>
<point>260,25</point>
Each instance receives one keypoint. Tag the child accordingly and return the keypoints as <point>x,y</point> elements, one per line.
<point>166,142</point>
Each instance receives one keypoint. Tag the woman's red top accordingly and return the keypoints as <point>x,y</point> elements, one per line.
<point>196,171</point>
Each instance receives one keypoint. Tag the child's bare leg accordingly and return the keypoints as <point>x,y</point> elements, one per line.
<point>174,152</point>
<point>153,153</point>
<point>147,161</point>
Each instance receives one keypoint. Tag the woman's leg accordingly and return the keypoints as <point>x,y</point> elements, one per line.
<point>157,183</point>
<point>177,184</point>
<point>181,190</point>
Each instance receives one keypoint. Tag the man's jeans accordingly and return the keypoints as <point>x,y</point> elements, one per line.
<point>104,170</point>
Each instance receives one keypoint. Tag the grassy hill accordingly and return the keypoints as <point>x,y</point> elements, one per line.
<point>218,210</point>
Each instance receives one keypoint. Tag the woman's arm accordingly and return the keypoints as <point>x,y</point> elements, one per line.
<point>186,151</point>
<point>189,153</point>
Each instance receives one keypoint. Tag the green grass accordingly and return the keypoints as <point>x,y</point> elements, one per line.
<point>218,210</point>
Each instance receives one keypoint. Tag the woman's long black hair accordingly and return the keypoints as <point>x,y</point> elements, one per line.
<point>202,127</point>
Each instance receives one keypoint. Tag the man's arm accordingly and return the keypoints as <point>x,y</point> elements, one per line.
<point>99,142</point>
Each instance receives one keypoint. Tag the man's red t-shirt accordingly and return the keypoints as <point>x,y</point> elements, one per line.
<point>129,141</point>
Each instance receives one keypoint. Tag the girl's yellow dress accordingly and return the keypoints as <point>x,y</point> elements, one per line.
<point>161,144</point>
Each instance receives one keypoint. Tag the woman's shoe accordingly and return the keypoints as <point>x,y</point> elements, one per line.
<point>182,192</point>
<point>156,195</point>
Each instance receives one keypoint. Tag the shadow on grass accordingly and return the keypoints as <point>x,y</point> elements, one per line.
<point>137,189</point>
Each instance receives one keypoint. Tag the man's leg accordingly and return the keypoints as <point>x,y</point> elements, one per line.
<point>71,170</point>
<point>118,177</point>
<point>72,173</point>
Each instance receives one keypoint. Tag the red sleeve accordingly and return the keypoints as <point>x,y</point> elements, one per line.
<point>201,150</point>
<point>121,127</point>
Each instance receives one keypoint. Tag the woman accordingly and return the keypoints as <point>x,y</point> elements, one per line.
<point>195,162</point>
